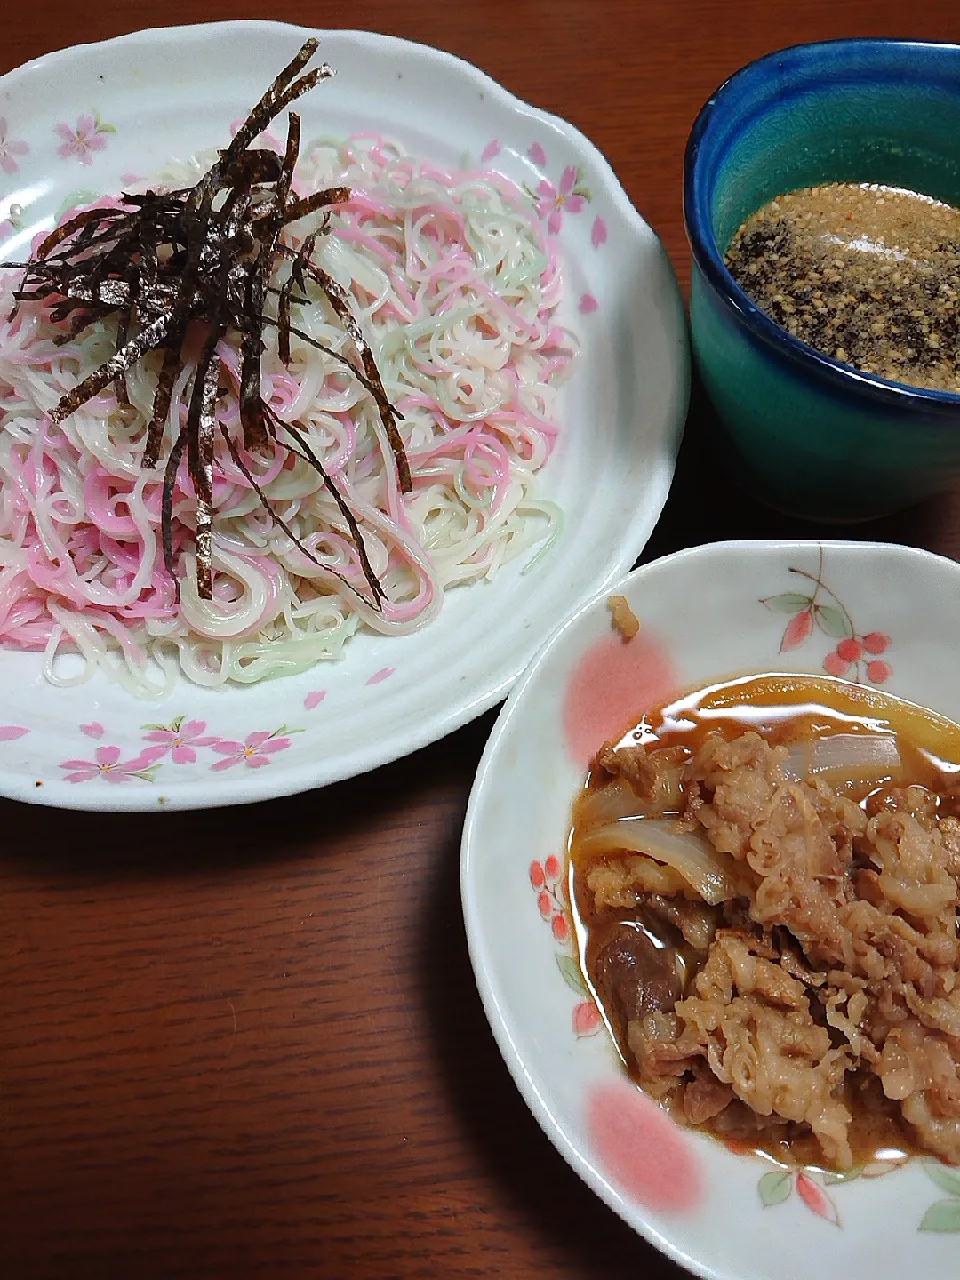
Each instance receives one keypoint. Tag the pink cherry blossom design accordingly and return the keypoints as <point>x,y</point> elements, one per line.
<point>255,750</point>
<point>588,303</point>
<point>554,201</point>
<point>107,764</point>
<point>10,148</point>
<point>93,730</point>
<point>314,698</point>
<point>83,140</point>
<point>182,740</point>
<point>381,675</point>
<point>586,1019</point>
<point>598,233</point>
<point>816,1199</point>
<point>537,877</point>
<point>490,150</point>
<point>798,629</point>
<point>537,155</point>
<point>10,732</point>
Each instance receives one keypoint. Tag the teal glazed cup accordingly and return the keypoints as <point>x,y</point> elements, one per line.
<point>808,434</point>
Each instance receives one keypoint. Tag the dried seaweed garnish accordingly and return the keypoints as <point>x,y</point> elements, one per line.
<point>168,261</point>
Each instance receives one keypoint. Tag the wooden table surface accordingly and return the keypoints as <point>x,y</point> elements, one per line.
<point>248,1042</point>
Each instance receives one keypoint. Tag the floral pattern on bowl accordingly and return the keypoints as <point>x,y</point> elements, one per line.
<point>679,1188</point>
<point>855,656</point>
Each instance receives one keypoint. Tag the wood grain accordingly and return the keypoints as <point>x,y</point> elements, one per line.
<point>248,1042</point>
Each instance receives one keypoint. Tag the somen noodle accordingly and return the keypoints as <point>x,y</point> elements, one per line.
<point>456,286</point>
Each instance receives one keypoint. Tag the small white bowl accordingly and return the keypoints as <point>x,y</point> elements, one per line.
<point>707,614</point>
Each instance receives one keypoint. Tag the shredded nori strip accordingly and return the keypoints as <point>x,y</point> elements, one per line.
<point>207,254</point>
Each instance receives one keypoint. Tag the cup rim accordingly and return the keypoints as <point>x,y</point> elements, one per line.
<point>707,256</point>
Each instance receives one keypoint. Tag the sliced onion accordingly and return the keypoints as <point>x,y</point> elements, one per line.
<point>615,800</point>
<point>843,757</point>
<point>713,875</point>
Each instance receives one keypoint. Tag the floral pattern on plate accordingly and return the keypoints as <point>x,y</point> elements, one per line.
<point>546,879</point>
<point>809,1185</point>
<point>569,194</point>
<point>944,1215</point>
<point>11,149</point>
<point>856,655</point>
<point>182,739</point>
<point>81,140</point>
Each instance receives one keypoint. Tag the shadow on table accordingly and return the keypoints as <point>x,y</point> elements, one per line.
<point>161,844</point>
<point>708,503</point>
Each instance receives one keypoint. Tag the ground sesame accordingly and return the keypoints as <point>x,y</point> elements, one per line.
<point>867,274</point>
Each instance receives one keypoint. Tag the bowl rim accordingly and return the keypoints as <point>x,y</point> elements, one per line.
<point>708,259</point>
<point>523,1070</point>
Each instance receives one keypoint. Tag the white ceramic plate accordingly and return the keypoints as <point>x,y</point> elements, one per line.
<point>706,614</point>
<point>75,123</point>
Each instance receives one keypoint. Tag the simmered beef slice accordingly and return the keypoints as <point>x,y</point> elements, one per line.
<point>633,976</point>
<point>655,776</point>
<point>837,968</point>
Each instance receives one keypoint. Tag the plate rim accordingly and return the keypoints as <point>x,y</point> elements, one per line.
<point>369,756</point>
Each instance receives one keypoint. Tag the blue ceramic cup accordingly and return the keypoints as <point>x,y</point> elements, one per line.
<point>810,435</point>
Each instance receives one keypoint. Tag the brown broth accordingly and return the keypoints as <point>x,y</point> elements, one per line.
<point>796,708</point>
<point>785,709</point>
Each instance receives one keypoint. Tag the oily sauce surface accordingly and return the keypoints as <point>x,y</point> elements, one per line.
<point>787,710</point>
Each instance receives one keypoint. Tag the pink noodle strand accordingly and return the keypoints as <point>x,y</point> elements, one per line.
<point>82,529</point>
